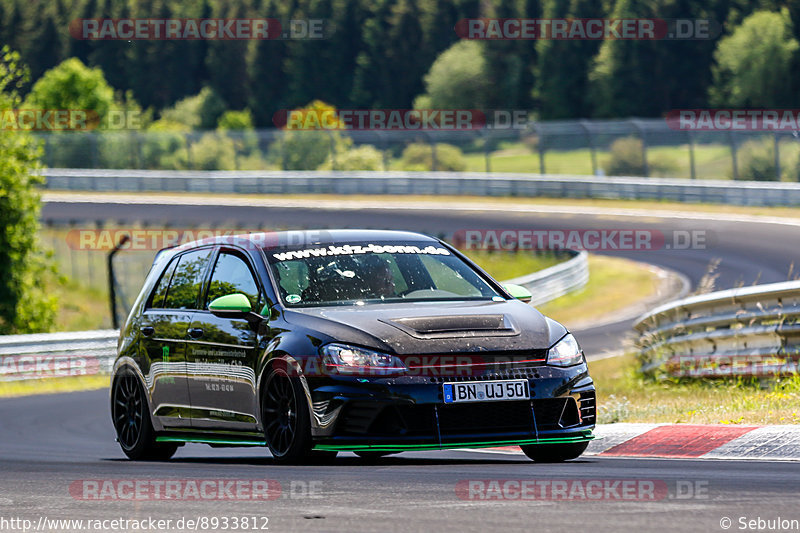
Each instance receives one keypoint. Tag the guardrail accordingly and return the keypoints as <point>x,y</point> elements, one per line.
<point>45,355</point>
<point>438,183</point>
<point>748,331</point>
<point>550,283</point>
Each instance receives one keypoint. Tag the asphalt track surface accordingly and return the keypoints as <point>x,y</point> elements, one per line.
<point>51,443</point>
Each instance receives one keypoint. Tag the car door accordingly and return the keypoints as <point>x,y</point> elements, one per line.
<point>222,353</point>
<point>164,331</point>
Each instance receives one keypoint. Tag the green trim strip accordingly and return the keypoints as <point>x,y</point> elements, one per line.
<point>444,446</point>
<point>585,437</point>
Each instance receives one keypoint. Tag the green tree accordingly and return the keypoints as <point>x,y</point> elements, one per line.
<point>457,79</point>
<point>621,79</point>
<point>395,53</point>
<point>47,45</point>
<point>371,75</point>
<point>309,145</point>
<point>754,63</point>
<point>25,306</point>
<point>419,156</point>
<point>73,85</point>
<point>119,59</point>
<point>509,63</point>
<point>201,111</point>
<point>226,62</point>
<point>236,120</point>
<point>563,66</point>
<point>268,72</point>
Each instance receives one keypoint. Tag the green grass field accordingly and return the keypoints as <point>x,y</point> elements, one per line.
<point>711,161</point>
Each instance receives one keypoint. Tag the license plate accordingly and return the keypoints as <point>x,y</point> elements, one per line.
<point>486,391</point>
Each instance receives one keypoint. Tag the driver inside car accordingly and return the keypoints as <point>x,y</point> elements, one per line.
<point>379,283</point>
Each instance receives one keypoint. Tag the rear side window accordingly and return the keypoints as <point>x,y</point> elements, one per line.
<point>160,293</point>
<point>184,289</point>
<point>232,275</point>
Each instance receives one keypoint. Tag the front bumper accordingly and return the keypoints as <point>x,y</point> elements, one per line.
<point>406,413</point>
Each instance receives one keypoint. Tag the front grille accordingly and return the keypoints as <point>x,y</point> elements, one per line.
<point>486,374</point>
<point>496,417</point>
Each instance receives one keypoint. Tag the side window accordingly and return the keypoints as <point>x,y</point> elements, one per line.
<point>185,286</point>
<point>231,274</point>
<point>160,294</point>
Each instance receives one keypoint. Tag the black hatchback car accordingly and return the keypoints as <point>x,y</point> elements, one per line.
<point>311,343</point>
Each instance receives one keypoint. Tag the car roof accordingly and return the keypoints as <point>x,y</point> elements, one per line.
<point>300,238</point>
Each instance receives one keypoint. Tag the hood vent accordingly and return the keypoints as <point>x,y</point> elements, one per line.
<point>434,327</point>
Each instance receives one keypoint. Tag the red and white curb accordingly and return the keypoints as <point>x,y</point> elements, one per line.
<point>690,441</point>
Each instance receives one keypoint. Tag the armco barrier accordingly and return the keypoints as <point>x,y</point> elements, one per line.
<point>550,283</point>
<point>749,331</point>
<point>92,352</point>
<point>437,183</point>
<point>45,355</point>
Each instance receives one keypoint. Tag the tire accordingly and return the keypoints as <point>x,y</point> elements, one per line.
<point>554,453</point>
<point>132,421</point>
<point>284,413</point>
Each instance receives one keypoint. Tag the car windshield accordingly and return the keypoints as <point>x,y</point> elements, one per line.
<point>370,272</point>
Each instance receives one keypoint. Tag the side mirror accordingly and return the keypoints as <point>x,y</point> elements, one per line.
<point>519,292</point>
<point>230,306</point>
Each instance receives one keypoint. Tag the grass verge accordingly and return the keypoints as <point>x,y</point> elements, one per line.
<point>509,265</point>
<point>81,308</point>
<point>30,387</point>
<point>624,396</point>
<point>614,284</point>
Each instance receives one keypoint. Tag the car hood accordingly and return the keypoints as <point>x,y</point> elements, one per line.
<point>434,327</point>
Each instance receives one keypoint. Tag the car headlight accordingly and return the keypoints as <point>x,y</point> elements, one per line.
<point>566,352</point>
<point>354,359</point>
